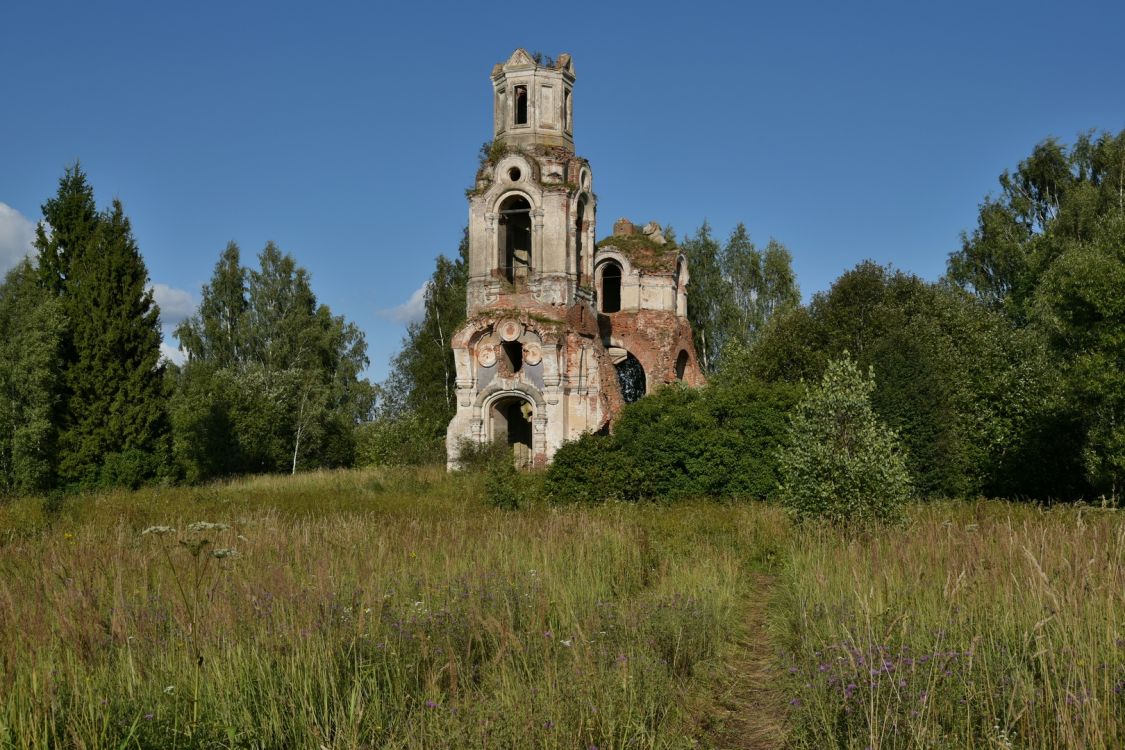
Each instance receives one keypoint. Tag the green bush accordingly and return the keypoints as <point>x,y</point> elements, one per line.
<point>403,441</point>
<point>717,441</point>
<point>593,469</point>
<point>839,462</point>
<point>478,457</point>
<point>503,485</point>
<point>129,468</point>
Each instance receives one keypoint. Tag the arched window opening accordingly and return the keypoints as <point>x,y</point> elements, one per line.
<point>511,423</point>
<point>521,105</point>
<point>567,110</point>
<point>611,288</point>
<point>515,238</point>
<point>631,378</point>
<point>579,230</point>
<point>681,364</point>
<point>511,359</point>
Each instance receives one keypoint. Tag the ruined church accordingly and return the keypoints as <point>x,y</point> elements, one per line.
<point>561,333</point>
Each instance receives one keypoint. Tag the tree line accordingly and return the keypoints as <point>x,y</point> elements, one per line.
<point>272,379</point>
<point>1006,377</point>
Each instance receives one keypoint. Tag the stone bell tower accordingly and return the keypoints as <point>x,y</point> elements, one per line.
<point>538,361</point>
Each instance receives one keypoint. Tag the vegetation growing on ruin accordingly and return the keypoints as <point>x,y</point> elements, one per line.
<point>643,253</point>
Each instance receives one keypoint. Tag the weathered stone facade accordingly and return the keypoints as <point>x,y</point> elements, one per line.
<point>560,333</point>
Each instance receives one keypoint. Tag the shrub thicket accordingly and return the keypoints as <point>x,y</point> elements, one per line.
<point>718,441</point>
<point>839,462</point>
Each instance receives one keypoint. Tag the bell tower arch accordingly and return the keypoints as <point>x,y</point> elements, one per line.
<point>532,208</point>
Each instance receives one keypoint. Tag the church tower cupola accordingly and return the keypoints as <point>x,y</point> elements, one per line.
<point>533,100</point>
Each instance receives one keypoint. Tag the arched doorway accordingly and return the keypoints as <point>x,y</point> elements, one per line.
<point>510,421</point>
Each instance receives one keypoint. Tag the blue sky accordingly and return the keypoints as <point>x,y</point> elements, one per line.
<point>347,132</point>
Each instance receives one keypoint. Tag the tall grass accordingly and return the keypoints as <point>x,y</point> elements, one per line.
<point>397,609</point>
<point>988,625</point>
<point>357,609</point>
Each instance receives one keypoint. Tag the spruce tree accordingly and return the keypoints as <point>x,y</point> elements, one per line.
<point>111,418</point>
<point>115,394</point>
<point>70,220</point>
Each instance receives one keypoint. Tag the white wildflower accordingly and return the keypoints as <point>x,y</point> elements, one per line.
<point>207,526</point>
<point>158,530</point>
<point>222,552</point>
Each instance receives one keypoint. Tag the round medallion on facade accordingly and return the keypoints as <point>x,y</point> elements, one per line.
<point>509,330</point>
<point>486,355</point>
<point>532,354</point>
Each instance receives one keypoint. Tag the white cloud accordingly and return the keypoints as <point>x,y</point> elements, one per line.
<point>411,311</point>
<point>171,353</point>
<point>175,304</point>
<point>17,232</point>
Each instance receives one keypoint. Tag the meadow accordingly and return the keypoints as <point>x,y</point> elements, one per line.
<point>396,608</point>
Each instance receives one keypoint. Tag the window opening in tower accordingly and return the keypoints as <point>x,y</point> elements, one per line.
<point>515,224</point>
<point>611,288</point>
<point>512,360</point>
<point>578,231</point>
<point>521,105</point>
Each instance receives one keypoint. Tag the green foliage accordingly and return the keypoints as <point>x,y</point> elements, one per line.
<point>718,441</point>
<point>735,291</point>
<point>272,380</point>
<point>839,463</point>
<point>503,487</point>
<point>477,457</point>
<point>1056,197</point>
<point>761,284</point>
<point>31,337</point>
<point>1080,303</point>
<point>973,398</point>
<point>115,385</point>
<point>111,393</point>
<point>593,469</point>
<point>397,441</point>
<point>1047,253</point>
<point>419,396</point>
<point>707,297</point>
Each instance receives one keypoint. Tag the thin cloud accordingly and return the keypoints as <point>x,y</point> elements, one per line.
<point>17,232</point>
<point>171,353</point>
<point>175,304</point>
<point>411,311</point>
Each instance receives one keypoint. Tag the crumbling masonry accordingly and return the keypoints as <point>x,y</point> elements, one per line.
<point>560,333</point>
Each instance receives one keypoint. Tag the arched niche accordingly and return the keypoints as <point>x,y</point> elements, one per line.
<point>580,249</point>
<point>682,361</point>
